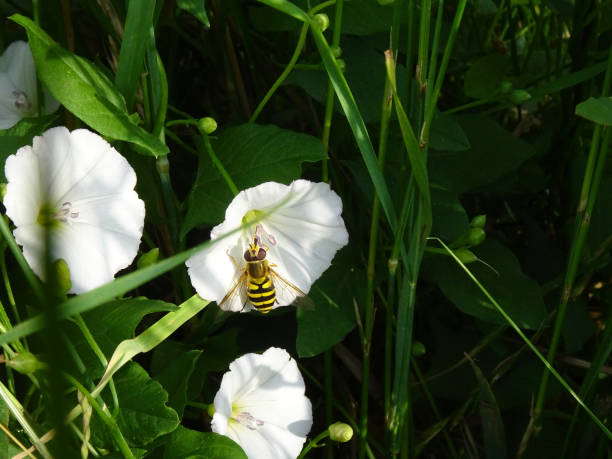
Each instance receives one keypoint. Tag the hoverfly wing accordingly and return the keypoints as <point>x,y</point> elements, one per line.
<point>284,288</point>
<point>236,293</point>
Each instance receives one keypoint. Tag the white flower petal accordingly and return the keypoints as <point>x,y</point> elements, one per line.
<point>261,405</point>
<point>18,63</point>
<point>303,231</point>
<point>87,190</point>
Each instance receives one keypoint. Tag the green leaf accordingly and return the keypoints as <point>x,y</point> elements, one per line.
<point>251,154</point>
<point>191,444</point>
<point>519,295</point>
<point>138,21</point>
<point>493,153</point>
<point>172,366</point>
<point>143,414</point>
<point>333,317</point>
<point>85,91</point>
<point>449,217</point>
<point>196,8</point>
<point>367,82</point>
<point>493,433</point>
<point>598,110</point>
<point>484,78</point>
<point>110,324</point>
<point>447,134</point>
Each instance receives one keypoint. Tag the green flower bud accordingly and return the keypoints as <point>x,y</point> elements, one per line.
<point>506,86</point>
<point>62,275</point>
<point>207,125</point>
<point>25,363</point>
<point>340,432</point>
<point>322,20</point>
<point>476,236</point>
<point>336,51</point>
<point>479,221</point>
<point>149,258</point>
<point>418,348</point>
<point>466,256</point>
<point>518,96</point>
<point>211,410</point>
<point>2,190</point>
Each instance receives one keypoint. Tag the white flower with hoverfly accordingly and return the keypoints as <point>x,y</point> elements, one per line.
<point>18,90</point>
<point>77,187</point>
<point>261,405</point>
<point>295,233</point>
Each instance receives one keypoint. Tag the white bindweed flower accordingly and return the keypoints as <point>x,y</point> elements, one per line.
<point>300,229</point>
<point>261,405</point>
<point>18,90</point>
<point>79,188</point>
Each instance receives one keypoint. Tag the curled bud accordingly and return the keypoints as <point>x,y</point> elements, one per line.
<point>207,125</point>
<point>506,86</point>
<point>466,256</point>
<point>149,258</point>
<point>518,96</point>
<point>322,20</point>
<point>476,236</point>
<point>25,363</point>
<point>418,348</point>
<point>340,432</point>
<point>62,276</point>
<point>479,221</point>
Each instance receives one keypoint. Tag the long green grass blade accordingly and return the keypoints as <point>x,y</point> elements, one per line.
<point>531,346</point>
<point>133,45</point>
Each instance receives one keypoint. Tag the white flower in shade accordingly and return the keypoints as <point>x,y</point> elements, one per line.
<point>261,405</point>
<point>18,90</point>
<point>300,230</point>
<point>81,190</point>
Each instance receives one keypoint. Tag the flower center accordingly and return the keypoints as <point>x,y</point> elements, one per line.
<point>22,102</point>
<point>50,217</point>
<point>248,420</point>
<point>252,215</point>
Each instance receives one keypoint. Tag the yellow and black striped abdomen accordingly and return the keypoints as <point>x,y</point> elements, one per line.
<point>261,292</point>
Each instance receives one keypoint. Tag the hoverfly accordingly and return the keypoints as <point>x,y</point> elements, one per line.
<point>258,280</point>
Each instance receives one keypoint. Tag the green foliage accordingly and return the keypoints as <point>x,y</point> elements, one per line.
<point>482,123</point>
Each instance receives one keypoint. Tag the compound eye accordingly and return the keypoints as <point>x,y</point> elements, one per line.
<point>247,256</point>
<point>261,254</point>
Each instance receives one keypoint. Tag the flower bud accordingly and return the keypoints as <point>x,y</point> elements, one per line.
<point>322,20</point>
<point>25,363</point>
<point>340,432</point>
<point>336,51</point>
<point>476,236</point>
<point>466,256</point>
<point>149,258</point>
<point>518,96</point>
<point>418,348</point>
<point>211,410</point>
<point>2,190</point>
<point>479,221</point>
<point>207,125</point>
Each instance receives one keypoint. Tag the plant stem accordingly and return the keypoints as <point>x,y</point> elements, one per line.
<point>588,196</point>
<point>330,97</point>
<point>284,75</point>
